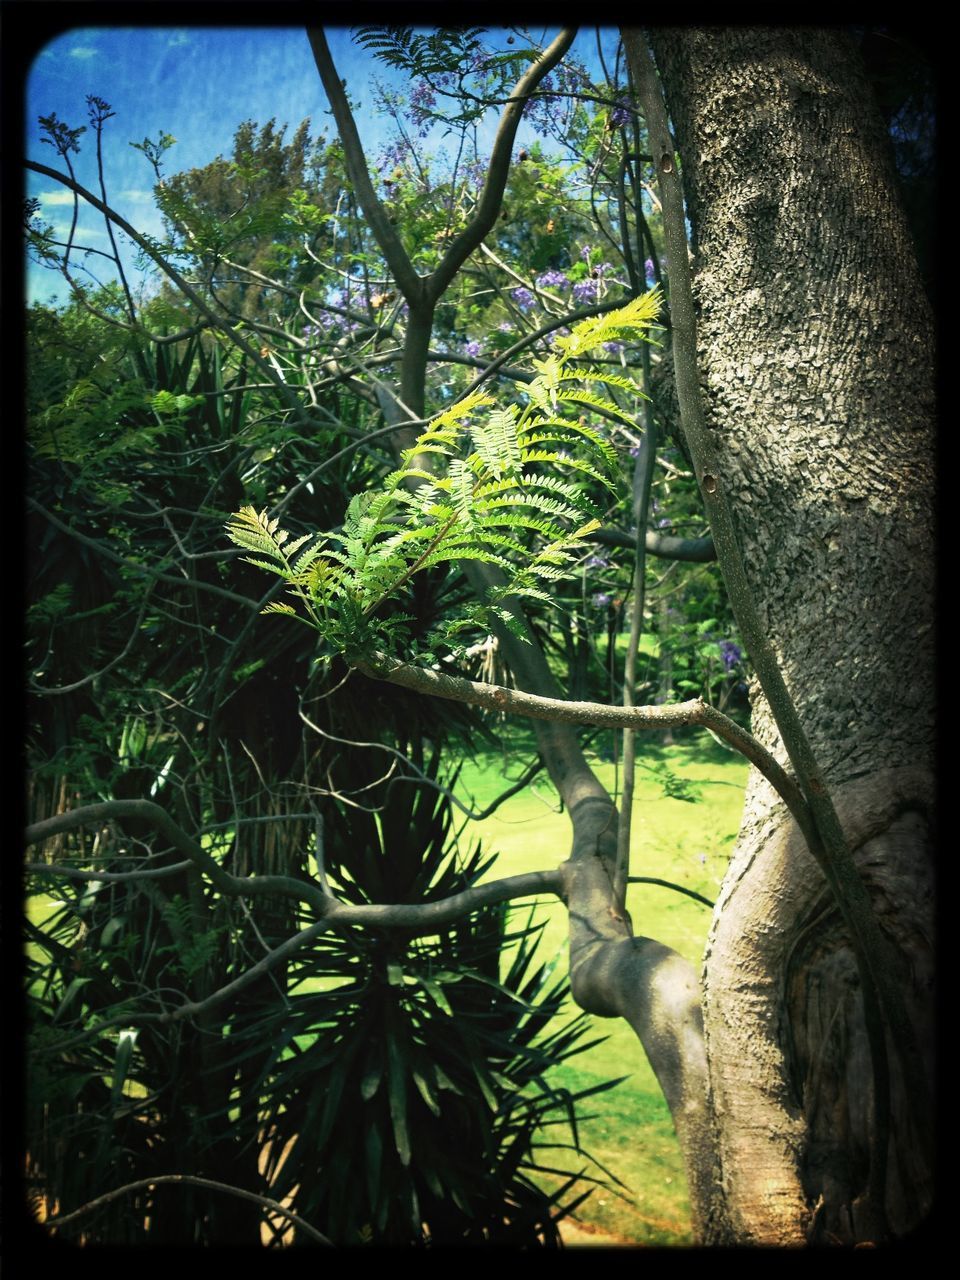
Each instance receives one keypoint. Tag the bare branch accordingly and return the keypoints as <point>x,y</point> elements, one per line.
<point>491,196</point>
<point>148,811</point>
<point>96,675</point>
<point>74,873</point>
<point>187,1179</point>
<point>669,884</point>
<point>102,549</point>
<point>559,711</point>
<point>690,550</point>
<point>409,283</point>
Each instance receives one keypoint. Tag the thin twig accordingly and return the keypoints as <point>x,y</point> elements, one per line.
<point>187,1179</point>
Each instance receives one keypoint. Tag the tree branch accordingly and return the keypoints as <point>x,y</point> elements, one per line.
<point>690,550</point>
<point>129,563</point>
<point>669,884</point>
<point>75,873</point>
<point>186,1179</point>
<point>421,917</point>
<point>491,197</point>
<point>560,711</point>
<point>408,281</point>
<point>148,811</point>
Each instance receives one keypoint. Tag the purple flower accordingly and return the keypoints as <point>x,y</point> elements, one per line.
<point>421,105</point>
<point>597,562</point>
<point>505,326</point>
<point>649,270</point>
<point>393,156</point>
<point>422,97</point>
<point>475,172</point>
<point>730,653</point>
<point>552,280</point>
<point>601,599</point>
<point>585,252</point>
<point>663,523</point>
<point>613,347</point>
<point>522,297</point>
<point>473,349</point>
<point>622,112</point>
<point>585,291</point>
<point>634,451</point>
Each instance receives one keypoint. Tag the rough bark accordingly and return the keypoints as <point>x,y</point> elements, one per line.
<point>816,363</point>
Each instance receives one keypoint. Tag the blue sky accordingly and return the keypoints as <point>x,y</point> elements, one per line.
<point>196,83</point>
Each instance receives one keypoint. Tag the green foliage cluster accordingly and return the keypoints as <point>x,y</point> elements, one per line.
<point>494,493</point>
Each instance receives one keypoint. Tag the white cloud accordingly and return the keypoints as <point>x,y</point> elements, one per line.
<point>178,38</point>
<point>137,195</point>
<point>83,233</point>
<point>83,51</point>
<point>55,197</point>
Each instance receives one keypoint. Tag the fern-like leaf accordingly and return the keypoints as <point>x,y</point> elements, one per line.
<point>512,492</point>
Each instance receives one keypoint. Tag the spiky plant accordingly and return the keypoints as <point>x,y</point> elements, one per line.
<point>409,1100</point>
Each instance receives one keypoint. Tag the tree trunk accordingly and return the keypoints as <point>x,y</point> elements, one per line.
<point>815,342</point>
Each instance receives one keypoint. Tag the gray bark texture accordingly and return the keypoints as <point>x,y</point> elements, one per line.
<point>816,357</point>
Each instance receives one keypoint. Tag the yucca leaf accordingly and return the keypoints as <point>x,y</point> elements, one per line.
<point>397,1094</point>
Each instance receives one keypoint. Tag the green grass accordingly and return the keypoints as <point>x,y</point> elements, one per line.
<point>627,1129</point>
<point>673,839</point>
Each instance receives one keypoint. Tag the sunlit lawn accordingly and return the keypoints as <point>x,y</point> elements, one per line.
<point>683,841</point>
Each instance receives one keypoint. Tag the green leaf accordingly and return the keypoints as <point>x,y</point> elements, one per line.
<point>426,1091</point>
<point>397,1093</point>
<point>437,994</point>
<point>371,1081</point>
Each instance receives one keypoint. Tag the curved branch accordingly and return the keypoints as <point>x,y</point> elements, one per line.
<point>491,196</point>
<point>408,281</point>
<point>148,811</point>
<point>498,698</point>
<point>418,916</point>
<point>130,563</point>
<point>188,1179</point>
<point>424,917</point>
<point>669,884</point>
<point>74,873</point>
<point>96,675</point>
